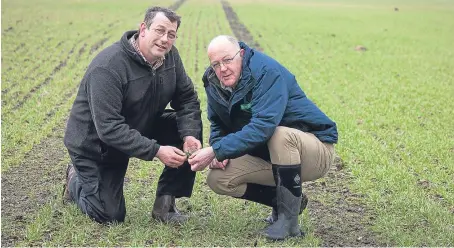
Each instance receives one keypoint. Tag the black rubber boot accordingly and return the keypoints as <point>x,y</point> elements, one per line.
<point>164,209</point>
<point>288,198</point>
<point>273,216</point>
<point>260,194</point>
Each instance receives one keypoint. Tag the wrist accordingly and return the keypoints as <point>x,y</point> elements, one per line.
<point>213,155</point>
<point>157,155</point>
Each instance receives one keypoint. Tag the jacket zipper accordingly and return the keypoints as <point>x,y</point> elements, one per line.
<point>233,95</point>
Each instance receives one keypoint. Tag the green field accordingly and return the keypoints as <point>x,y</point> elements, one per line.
<point>394,184</point>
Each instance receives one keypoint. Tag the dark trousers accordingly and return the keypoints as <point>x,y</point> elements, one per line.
<point>97,188</point>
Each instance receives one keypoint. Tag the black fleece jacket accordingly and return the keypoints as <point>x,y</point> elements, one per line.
<point>120,97</point>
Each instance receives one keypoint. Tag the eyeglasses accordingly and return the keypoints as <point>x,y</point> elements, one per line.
<point>161,32</point>
<point>226,61</point>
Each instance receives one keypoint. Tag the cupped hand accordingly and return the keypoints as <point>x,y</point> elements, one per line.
<point>171,156</point>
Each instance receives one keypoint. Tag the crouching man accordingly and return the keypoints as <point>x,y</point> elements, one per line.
<point>266,137</point>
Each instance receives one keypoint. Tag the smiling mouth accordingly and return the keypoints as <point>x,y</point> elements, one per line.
<point>162,47</point>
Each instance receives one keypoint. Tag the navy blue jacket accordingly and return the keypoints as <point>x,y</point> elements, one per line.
<point>266,96</point>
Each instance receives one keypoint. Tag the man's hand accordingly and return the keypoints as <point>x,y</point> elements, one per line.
<point>201,158</point>
<point>215,164</point>
<point>171,156</point>
<point>191,145</point>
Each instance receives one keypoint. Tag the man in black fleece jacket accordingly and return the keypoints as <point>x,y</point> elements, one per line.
<point>120,112</point>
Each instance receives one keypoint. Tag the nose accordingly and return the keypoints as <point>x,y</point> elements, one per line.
<point>164,38</point>
<point>222,67</point>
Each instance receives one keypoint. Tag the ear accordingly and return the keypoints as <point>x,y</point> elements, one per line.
<point>142,28</point>
<point>242,52</point>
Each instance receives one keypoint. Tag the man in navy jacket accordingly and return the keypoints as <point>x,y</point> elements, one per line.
<point>266,136</point>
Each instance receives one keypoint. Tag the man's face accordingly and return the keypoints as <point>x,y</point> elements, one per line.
<point>226,60</point>
<point>157,40</point>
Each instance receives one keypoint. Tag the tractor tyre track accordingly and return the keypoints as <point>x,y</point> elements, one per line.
<point>176,5</point>
<point>241,32</point>
<point>29,186</point>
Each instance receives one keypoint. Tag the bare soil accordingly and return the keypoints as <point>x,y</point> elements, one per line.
<point>241,32</point>
<point>338,214</point>
<point>27,187</point>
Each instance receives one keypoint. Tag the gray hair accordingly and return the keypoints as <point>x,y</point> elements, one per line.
<point>170,14</point>
<point>223,38</point>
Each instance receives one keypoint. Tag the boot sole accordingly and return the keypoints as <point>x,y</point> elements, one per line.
<point>301,234</point>
<point>170,220</point>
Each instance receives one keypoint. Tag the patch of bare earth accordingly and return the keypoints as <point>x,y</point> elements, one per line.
<point>97,45</point>
<point>176,5</point>
<point>27,187</point>
<point>241,32</point>
<point>338,214</point>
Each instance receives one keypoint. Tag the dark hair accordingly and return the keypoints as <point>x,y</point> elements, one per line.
<point>170,14</point>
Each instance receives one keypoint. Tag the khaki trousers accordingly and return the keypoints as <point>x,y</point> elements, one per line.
<point>287,146</point>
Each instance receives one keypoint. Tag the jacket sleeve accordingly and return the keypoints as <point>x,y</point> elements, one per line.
<point>217,130</point>
<point>186,103</point>
<point>269,100</point>
<point>104,91</point>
